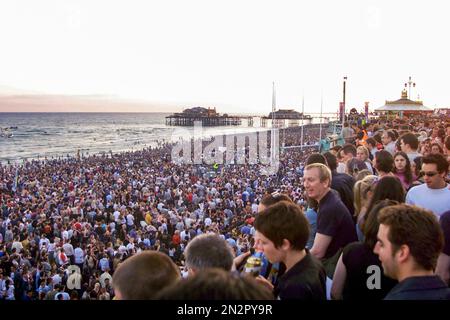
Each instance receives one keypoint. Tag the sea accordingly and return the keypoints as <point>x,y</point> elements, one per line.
<point>40,135</point>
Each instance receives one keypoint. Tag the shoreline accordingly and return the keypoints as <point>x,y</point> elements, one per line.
<point>159,145</point>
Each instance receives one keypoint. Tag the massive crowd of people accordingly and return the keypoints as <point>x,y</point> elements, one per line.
<point>82,227</point>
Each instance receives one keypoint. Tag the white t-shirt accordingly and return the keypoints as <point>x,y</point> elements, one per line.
<point>436,200</point>
<point>79,255</point>
<point>340,168</point>
<point>130,220</point>
<point>68,249</point>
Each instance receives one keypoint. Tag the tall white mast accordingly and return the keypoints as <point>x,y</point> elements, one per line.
<point>303,116</point>
<point>320,125</point>
<point>273,133</point>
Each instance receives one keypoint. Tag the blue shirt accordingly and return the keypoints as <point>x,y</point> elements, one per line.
<point>311,215</point>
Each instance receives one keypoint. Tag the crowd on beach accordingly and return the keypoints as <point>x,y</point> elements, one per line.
<point>94,227</point>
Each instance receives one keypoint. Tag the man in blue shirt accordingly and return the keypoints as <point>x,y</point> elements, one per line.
<point>409,242</point>
<point>335,227</point>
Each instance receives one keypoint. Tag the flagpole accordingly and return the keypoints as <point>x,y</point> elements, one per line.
<point>320,125</point>
<point>272,131</point>
<point>303,116</point>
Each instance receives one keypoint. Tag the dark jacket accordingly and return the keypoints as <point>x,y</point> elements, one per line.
<point>420,288</point>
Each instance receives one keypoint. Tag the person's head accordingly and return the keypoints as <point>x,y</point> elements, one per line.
<point>436,149</point>
<point>317,180</point>
<point>362,153</point>
<point>281,229</point>
<point>316,158</point>
<point>441,134</point>
<point>388,187</point>
<point>143,275</point>
<point>371,143</point>
<point>416,166</point>
<point>410,240</point>
<point>354,166</point>
<point>362,192</point>
<point>217,284</point>
<point>409,142</point>
<point>362,174</point>
<point>434,169</point>
<point>348,152</point>
<point>271,199</point>
<point>371,224</point>
<point>387,137</point>
<point>331,160</point>
<point>208,251</point>
<point>336,150</point>
<point>403,165</point>
<point>434,132</point>
<point>447,144</point>
<point>383,161</point>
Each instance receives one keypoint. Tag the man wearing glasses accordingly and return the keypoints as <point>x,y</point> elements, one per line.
<point>434,194</point>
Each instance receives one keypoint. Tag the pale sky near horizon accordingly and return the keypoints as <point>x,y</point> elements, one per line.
<point>227,53</point>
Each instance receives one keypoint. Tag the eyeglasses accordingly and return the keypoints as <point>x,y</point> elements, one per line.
<point>429,174</point>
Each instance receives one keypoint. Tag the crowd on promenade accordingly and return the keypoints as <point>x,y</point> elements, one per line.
<point>88,227</point>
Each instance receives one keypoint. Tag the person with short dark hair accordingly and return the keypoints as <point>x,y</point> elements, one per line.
<point>348,134</point>
<point>443,263</point>
<point>348,152</point>
<point>371,145</point>
<point>281,234</point>
<point>388,139</point>
<point>316,158</point>
<point>216,284</point>
<point>434,194</point>
<point>384,163</point>
<point>409,143</point>
<point>409,242</point>
<point>143,275</point>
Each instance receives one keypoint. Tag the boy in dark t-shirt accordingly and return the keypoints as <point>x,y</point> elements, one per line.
<point>282,231</point>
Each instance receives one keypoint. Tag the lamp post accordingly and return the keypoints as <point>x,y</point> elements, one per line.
<point>343,101</point>
<point>408,85</point>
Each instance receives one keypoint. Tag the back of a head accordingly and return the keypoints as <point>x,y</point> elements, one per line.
<point>360,191</point>
<point>354,166</point>
<point>389,187</point>
<point>273,198</point>
<point>362,174</point>
<point>209,251</point>
<point>217,284</point>
<point>349,148</point>
<point>384,161</point>
<point>371,225</point>
<point>417,228</point>
<point>284,220</point>
<point>316,158</point>
<point>447,143</point>
<point>143,275</point>
<point>331,160</point>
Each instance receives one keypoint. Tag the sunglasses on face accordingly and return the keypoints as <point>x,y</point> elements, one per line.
<point>429,173</point>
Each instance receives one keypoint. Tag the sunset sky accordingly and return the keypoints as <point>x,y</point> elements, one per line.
<point>171,54</point>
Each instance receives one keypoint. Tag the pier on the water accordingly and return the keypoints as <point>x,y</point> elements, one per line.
<point>210,118</point>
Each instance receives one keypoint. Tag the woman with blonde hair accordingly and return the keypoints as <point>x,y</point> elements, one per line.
<point>362,192</point>
<point>362,153</point>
